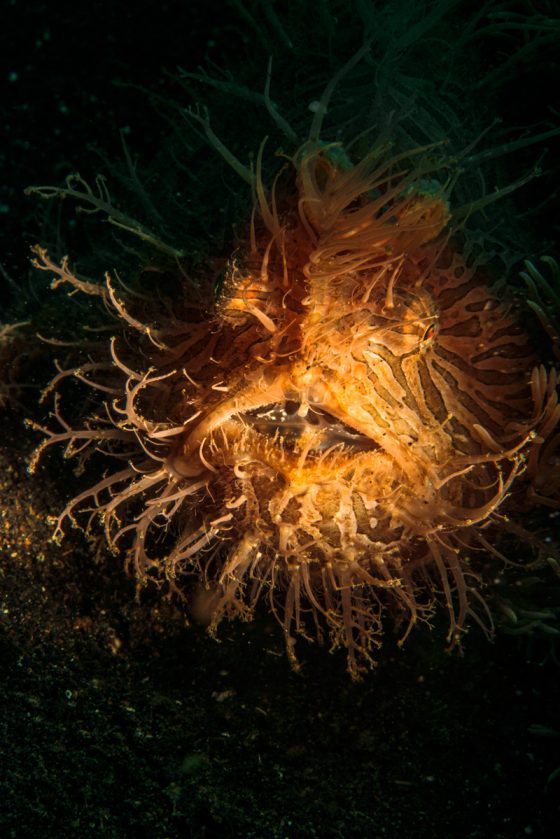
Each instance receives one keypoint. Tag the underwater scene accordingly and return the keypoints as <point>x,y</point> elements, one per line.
<point>279,394</point>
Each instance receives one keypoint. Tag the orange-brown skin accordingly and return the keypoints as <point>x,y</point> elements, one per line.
<point>350,427</point>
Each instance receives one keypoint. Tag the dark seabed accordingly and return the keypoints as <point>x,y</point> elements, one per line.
<point>119,719</point>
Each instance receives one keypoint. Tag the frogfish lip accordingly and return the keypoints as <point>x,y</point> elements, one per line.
<point>290,420</point>
<point>297,423</point>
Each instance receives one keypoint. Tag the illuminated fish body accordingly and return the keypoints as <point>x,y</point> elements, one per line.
<point>353,423</point>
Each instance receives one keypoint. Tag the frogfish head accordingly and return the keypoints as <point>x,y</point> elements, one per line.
<point>356,420</point>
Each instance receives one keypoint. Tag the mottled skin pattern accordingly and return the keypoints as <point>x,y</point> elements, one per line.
<point>346,432</point>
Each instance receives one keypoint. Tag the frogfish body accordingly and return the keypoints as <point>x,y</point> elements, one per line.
<point>349,428</point>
